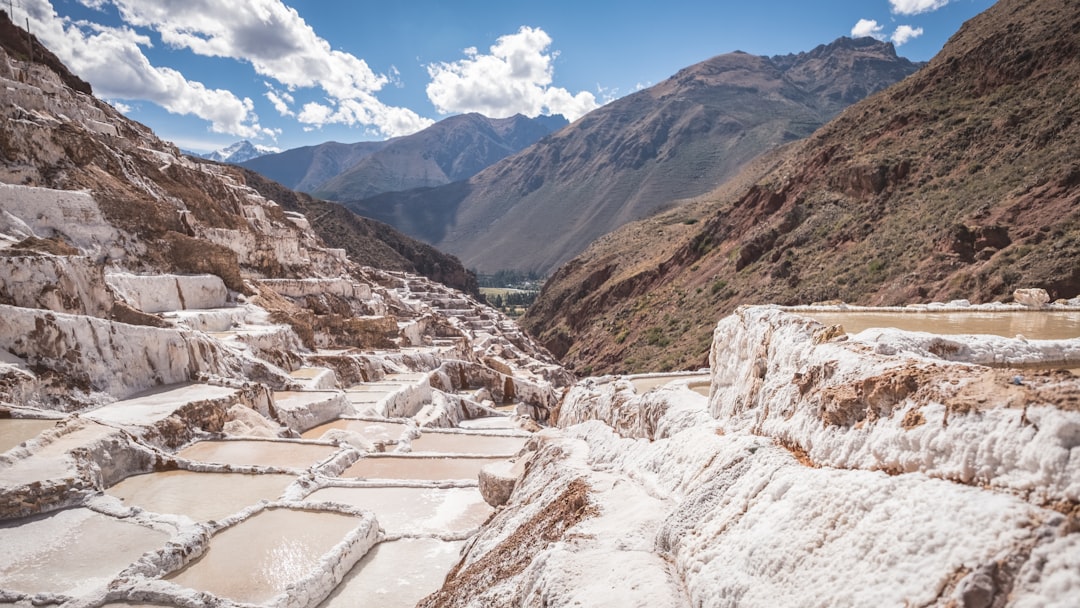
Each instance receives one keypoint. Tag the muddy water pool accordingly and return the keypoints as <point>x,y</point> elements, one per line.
<point>261,556</point>
<point>644,384</point>
<point>200,496</point>
<point>415,510</point>
<point>14,431</point>
<point>62,552</point>
<point>396,574</point>
<point>417,467</point>
<point>1034,325</point>
<point>263,453</point>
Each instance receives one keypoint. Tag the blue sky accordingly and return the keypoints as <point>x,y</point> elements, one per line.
<point>289,73</point>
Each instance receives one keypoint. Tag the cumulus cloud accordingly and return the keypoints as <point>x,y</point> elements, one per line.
<point>281,46</point>
<point>905,33</point>
<point>281,100</point>
<point>112,60</point>
<point>268,35</point>
<point>915,7</point>
<point>868,27</point>
<point>514,77</point>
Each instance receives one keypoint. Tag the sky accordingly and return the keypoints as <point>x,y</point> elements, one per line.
<point>291,73</point>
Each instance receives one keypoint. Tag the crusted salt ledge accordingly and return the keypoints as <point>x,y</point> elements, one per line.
<point>884,400</point>
<point>820,470</point>
<point>169,292</point>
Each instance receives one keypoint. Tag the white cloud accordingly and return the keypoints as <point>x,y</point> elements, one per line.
<point>280,100</point>
<point>272,37</point>
<point>514,78</point>
<point>868,27</point>
<point>279,45</point>
<point>121,107</point>
<point>113,62</point>
<point>904,33</point>
<point>915,7</point>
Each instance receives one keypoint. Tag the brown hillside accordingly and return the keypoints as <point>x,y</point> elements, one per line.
<point>963,181</point>
<point>633,157</point>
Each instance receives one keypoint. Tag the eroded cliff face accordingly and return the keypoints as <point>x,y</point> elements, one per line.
<point>816,469</point>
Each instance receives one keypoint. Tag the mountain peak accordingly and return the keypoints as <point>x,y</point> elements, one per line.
<point>239,152</point>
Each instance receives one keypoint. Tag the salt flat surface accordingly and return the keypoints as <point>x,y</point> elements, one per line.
<point>200,496</point>
<point>415,510</point>
<point>261,556</point>
<point>158,404</point>
<point>488,422</point>
<point>14,431</point>
<point>417,467</point>
<point>62,552</point>
<point>376,431</point>
<point>466,443</point>
<point>261,453</point>
<point>396,574</point>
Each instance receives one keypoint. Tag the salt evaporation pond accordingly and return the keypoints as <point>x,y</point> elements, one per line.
<point>396,574</point>
<point>488,422</point>
<point>245,452</point>
<point>200,496</point>
<point>14,431</point>
<point>261,556</point>
<point>415,510</point>
<point>1034,325</point>
<point>644,384</point>
<point>417,467</point>
<point>468,443</point>
<point>373,430</point>
<point>63,552</point>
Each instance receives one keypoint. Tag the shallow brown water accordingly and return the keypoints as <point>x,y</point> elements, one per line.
<point>14,431</point>
<point>264,453</point>
<point>1033,325</point>
<point>258,558</point>
<point>62,552</point>
<point>417,467</point>
<point>200,496</point>
<point>415,510</point>
<point>645,384</point>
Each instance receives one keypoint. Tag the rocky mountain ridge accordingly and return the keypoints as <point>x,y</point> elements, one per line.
<point>957,182</point>
<point>239,152</point>
<point>450,150</point>
<point>637,155</point>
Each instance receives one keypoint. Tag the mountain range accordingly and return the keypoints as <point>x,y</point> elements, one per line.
<point>451,150</point>
<point>960,182</point>
<point>239,152</point>
<point>634,156</point>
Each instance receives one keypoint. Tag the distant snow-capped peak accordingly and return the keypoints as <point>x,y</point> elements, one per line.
<point>239,152</point>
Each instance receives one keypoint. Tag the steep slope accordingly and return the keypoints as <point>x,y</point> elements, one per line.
<point>367,241</point>
<point>451,150</point>
<point>959,182</point>
<point>306,168</point>
<point>634,156</point>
